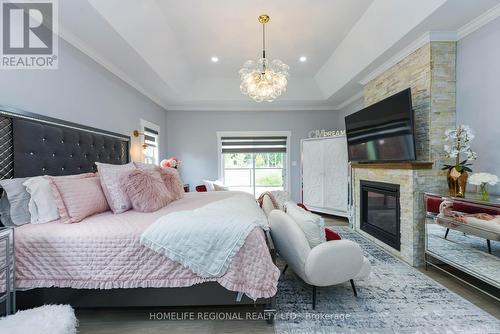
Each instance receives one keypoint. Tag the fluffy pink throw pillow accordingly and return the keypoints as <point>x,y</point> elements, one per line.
<point>78,197</point>
<point>146,190</point>
<point>173,182</point>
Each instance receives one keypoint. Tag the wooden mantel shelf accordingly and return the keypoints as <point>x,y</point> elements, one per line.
<point>394,165</point>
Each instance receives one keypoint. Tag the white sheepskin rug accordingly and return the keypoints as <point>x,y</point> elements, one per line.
<point>47,319</point>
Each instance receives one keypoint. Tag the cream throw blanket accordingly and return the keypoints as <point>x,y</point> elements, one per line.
<point>206,239</point>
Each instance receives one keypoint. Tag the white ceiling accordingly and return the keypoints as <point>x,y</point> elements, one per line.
<point>163,47</point>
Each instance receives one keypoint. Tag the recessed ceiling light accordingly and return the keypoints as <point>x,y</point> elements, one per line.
<point>303,59</point>
<point>214,59</point>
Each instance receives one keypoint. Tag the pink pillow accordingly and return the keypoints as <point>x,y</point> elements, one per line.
<point>173,182</point>
<point>146,190</point>
<point>78,197</point>
<point>145,166</point>
<point>111,176</point>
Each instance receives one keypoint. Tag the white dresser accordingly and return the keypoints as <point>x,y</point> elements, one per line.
<point>325,175</point>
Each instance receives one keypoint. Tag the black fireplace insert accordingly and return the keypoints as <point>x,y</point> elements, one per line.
<point>380,212</point>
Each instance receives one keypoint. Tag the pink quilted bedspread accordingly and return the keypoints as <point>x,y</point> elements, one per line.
<point>103,252</point>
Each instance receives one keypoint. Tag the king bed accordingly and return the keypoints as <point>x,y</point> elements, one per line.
<point>100,262</point>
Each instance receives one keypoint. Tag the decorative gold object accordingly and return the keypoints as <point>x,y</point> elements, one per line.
<point>457,182</point>
<point>264,18</point>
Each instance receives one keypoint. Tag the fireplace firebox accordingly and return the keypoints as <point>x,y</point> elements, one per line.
<point>380,212</point>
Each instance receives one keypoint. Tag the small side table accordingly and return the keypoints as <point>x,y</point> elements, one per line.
<point>186,188</point>
<point>7,270</point>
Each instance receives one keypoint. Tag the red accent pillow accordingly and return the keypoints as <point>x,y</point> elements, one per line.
<point>331,235</point>
<point>201,188</point>
<point>433,203</point>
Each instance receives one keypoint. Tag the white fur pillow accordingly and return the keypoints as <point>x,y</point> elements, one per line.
<point>311,224</point>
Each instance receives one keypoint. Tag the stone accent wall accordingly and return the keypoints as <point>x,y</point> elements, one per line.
<point>414,71</point>
<point>443,97</point>
<point>430,72</point>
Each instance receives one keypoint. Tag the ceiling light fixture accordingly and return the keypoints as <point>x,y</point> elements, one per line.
<point>214,59</point>
<point>264,80</point>
<point>303,59</point>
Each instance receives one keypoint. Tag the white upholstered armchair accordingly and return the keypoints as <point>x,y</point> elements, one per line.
<point>330,263</point>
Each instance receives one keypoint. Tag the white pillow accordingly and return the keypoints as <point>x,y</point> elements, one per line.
<point>220,187</point>
<point>311,224</point>
<point>209,185</point>
<point>42,205</point>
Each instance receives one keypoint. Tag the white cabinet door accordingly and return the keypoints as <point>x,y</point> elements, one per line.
<point>312,173</point>
<point>336,174</point>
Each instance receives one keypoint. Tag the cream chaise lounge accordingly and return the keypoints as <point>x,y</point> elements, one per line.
<point>330,263</point>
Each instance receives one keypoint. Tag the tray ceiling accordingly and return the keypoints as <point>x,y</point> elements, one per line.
<point>164,48</point>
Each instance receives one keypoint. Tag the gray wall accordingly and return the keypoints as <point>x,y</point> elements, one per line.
<point>80,91</point>
<point>478,91</point>
<point>192,137</point>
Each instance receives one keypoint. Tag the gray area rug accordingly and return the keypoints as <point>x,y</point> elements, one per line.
<point>396,298</point>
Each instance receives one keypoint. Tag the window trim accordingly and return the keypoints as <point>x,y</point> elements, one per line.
<point>287,134</point>
<point>147,124</point>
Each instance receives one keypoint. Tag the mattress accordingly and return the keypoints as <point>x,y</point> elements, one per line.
<point>103,252</point>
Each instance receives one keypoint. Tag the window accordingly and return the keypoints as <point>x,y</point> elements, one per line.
<point>151,141</point>
<point>254,163</point>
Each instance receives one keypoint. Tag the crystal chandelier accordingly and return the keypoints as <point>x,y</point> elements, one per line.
<point>264,80</point>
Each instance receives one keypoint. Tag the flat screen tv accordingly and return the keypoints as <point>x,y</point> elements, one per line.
<point>382,132</point>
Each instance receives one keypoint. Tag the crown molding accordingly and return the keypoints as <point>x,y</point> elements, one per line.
<point>94,55</point>
<point>234,108</point>
<point>430,36</point>
<point>350,100</point>
<point>435,36</point>
<point>479,22</point>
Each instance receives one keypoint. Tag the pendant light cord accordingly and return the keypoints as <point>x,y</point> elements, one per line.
<point>263,47</point>
<point>263,40</point>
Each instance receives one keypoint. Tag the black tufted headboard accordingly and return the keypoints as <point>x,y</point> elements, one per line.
<point>33,145</point>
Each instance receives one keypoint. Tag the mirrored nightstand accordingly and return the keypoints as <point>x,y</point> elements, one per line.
<point>7,271</point>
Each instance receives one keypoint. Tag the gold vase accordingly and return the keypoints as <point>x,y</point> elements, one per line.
<point>457,182</point>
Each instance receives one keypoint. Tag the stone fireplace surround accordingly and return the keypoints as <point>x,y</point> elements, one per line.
<point>430,73</point>
<point>379,211</point>
<point>412,182</point>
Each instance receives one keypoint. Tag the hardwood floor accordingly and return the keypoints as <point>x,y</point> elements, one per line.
<point>477,298</point>
<point>137,320</point>
<point>335,221</point>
